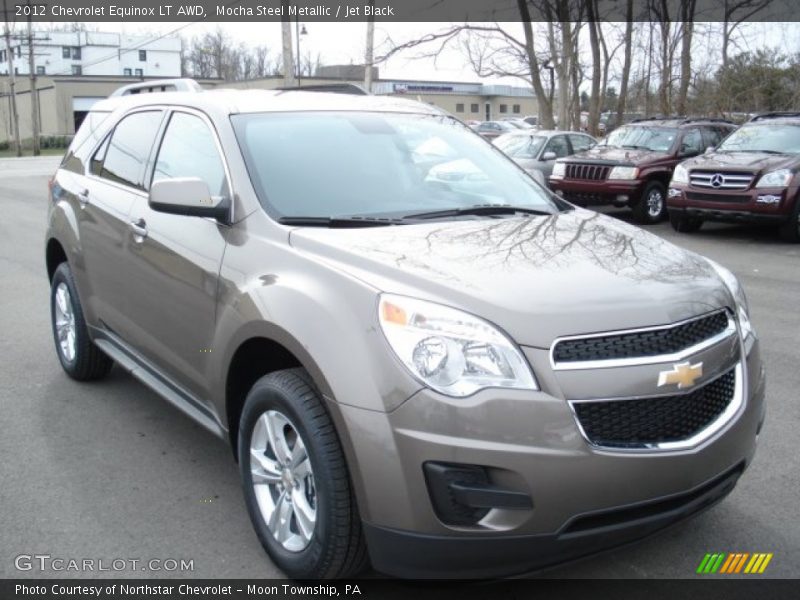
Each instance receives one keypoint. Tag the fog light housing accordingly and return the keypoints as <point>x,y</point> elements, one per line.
<point>768,199</point>
<point>559,193</point>
<point>673,192</point>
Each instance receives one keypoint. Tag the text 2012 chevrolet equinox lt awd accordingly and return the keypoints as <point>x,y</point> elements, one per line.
<point>422,358</point>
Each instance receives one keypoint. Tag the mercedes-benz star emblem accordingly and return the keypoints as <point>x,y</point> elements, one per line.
<point>717,180</point>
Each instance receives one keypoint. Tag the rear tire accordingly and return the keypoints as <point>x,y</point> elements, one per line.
<point>684,224</point>
<point>296,484</point>
<point>790,231</point>
<point>79,357</point>
<point>652,206</point>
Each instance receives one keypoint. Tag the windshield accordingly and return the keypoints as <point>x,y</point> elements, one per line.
<point>521,146</point>
<point>783,138</point>
<point>639,137</point>
<point>336,164</point>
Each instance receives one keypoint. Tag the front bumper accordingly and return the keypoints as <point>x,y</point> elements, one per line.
<point>597,193</point>
<point>584,499</point>
<point>732,207</point>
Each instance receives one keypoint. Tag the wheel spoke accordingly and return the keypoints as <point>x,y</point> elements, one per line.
<point>304,515</point>
<point>263,469</point>
<point>299,453</point>
<point>277,438</point>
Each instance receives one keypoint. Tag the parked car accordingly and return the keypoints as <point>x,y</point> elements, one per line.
<point>752,176</point>
<point>531,120</point>
<point>632,166</point>
<point>452,382</point>
<point>517,122</point>
<point>608,121</point>
<point>493,129</point>
<point>537,151</point>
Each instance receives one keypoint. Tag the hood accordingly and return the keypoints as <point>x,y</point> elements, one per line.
<point>537,278</point>
<point>750,161</point>
<point>616,155</point>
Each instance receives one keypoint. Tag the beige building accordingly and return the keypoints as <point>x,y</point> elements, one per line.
<point>65,100</point>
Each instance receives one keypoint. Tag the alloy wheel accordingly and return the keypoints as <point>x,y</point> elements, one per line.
<point>65,322</point>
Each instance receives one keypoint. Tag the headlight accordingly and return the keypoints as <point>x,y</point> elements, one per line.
<point>737,291</point>
<point>623,173</point>
<point>449,350</point>
<point>559,169</point>
<point>680,175</point>
<point>779,178</point>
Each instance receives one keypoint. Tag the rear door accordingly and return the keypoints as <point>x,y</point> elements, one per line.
<point>114,180</point>
<point>175,260</point>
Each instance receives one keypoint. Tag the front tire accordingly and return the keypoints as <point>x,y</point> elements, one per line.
<point>652,206</point>
<point>683,224</point>
<point>296,485</point>
<point>79,357</point>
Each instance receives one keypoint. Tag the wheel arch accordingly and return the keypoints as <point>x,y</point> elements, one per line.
<point>54,256</point>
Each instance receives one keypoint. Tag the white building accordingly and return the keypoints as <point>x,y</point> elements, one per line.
<point>59,53</point>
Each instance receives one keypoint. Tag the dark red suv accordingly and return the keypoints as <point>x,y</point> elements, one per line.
<point>633,165</point>
<point>750,177</point>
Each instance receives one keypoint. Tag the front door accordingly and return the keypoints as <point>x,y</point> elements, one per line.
<point>175,260</point>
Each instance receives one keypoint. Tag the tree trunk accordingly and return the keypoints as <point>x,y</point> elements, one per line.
<point>286,37</point>
<point>626,67</point>
<point>545,107</point>
<point>33,90</point>
<point>687,27</point>
<point>594,42</point>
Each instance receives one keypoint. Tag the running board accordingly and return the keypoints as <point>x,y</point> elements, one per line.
<point>140,368</point>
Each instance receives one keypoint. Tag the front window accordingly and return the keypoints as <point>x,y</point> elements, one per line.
<point>377,164</point>
<point>780,138</point>
<point>642,137</point>
<point>521,146</point>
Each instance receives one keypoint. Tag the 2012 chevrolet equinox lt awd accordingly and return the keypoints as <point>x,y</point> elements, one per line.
<point>421,357</point>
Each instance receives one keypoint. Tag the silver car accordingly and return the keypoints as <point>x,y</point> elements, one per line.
<point>536,151</point>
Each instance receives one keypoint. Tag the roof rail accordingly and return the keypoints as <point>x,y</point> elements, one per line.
<point>158,85</point>
<point>776,115</point>
<point>682,119</point>
<point>333,88</point>
<point>709,120</point>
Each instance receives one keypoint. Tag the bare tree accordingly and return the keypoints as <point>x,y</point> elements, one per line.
<point>735,13</point>
<point>369,54</point>
<point>626,67</point>
<point>286,45</point>
<point>594,42</point>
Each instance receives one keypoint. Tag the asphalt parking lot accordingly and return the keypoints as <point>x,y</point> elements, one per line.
<point>109,471</point>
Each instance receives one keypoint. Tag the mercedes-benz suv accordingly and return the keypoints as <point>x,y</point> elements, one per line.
<point>752,177</point>
<point>633,165</point>
<point>448,376</point>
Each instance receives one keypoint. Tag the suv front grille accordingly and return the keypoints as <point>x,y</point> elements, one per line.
<point>721,180</point>
<point>641,343</point>
<point>729,198</point>
<point>590,172</point>
<point>647,422</point>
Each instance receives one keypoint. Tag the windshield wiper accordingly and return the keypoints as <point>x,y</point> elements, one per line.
<point>750,151</point>
<point>339,222</point>
<point>479,210</point>
<point>635,147</point>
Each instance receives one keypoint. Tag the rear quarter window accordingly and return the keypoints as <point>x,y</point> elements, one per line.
<point>89,133</point>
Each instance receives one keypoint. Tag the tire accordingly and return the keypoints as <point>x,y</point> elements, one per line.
<point>79,357</point>
<point>684,224</point>
<point>284,410</point>
<point>652,206</point>
<point>790,231</point>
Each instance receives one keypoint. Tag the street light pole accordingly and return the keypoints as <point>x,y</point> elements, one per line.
<point>298,68</point>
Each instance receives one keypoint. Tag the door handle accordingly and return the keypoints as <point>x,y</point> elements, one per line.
<point>83,198</point>
<point>139,229</point>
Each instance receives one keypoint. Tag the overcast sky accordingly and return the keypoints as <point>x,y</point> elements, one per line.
<point>343,43</point>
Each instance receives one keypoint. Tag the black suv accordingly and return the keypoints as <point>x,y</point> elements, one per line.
<point>634,164</point>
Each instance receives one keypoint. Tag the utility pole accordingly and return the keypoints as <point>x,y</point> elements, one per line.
<point>369,57</point>
<point>32,85</point>
<point>286,34</point>
<point>11,84</point>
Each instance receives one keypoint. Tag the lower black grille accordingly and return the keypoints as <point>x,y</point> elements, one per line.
<point>729,198</point>
<point>590,172</point>
<point>587,198</point>
<point>646,421</point>
<point>650,342</point>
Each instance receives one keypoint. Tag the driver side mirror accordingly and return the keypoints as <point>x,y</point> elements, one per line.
<point>188,196</point>
<point>549,156</point>
<point>687,150</point>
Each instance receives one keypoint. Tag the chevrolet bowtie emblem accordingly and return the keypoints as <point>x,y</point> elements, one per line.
<point>683,374</point>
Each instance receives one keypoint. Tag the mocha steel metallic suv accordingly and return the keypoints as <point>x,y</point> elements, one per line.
<point>752,177</point>
<point>632,166</point>
<point>448,377</point>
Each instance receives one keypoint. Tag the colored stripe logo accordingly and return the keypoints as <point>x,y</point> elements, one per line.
<point>734,563</point>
